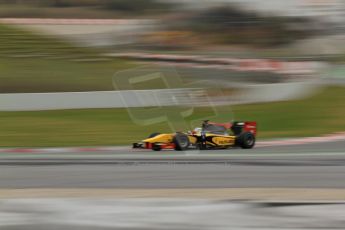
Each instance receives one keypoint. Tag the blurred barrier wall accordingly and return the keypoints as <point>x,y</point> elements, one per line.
<point>235,64</point>
<point>89,32</point>
<point>148,98</point>
<point>97,99</point>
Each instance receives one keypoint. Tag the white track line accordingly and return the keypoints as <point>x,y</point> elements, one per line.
<point>306,140</point>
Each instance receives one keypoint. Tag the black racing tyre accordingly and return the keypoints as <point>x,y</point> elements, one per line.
<point>181,141</point>
<point>153,135</point>
<point>246,140</point>
<point>156,147</point>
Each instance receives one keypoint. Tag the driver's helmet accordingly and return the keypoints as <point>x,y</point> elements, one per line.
<point>197,130</point>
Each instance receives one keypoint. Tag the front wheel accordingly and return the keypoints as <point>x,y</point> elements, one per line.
<point>181,141</point>
<point>246,140</point>
<point>156,147</point>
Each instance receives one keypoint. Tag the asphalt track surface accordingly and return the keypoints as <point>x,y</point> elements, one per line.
<point>176,214</point>
<point>303,166</point>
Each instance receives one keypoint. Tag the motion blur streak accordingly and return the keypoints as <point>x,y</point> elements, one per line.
<point>174,214</point>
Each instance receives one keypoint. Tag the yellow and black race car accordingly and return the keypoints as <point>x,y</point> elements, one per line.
<point>209,136</point>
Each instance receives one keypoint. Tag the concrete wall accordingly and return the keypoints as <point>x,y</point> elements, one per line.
<point>160,97</point>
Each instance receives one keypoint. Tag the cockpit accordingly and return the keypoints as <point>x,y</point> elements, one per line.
<point>215,129</point>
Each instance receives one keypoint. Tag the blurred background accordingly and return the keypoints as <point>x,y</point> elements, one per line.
<point>80,80</point>
<point>269,61</point>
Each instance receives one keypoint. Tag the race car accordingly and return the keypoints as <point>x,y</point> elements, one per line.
<point>209,136</point>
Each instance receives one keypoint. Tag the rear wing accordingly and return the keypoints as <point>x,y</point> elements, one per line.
<point>250,126</point>
<point>239,127</point>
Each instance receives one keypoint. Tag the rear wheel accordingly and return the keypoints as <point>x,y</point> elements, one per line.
<point>246,140</point>
<point>181,141</point>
